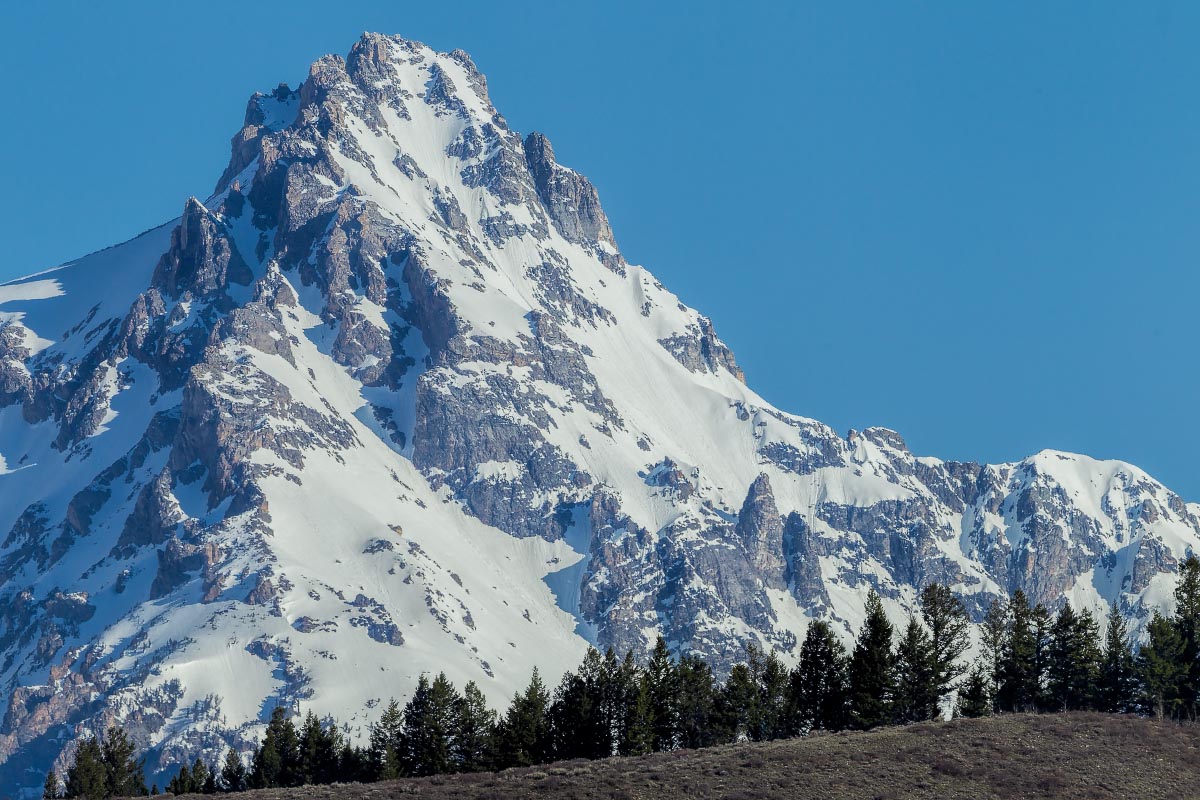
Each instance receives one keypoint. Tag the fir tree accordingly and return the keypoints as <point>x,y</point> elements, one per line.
<point>1187,626</point>
<point>630,736</point>
<point>385,743</point>
<point>1074,664</point>
<point>993,635</point>
<point>276,762</point>
<point>523,738</point>
<point>425,746</point>
<point>949,637</point>
<point>182,782</point>
<point>124,771</point>
<point>233,772</point>
<point>86,778</point>
<point>870,672</point>
<point>696,700</point>
<point>773,689</point>
<point>914,697</point>
<point>200,776</point>
<point>1160,668</point>
<point>739,701</point>
<point>818,683</point>
<point>474,726</point>
<point>661,681</point>
<point>1019,680</point>
<point>974,699</point>
<point>1117,681</point>
<point>51,789</point>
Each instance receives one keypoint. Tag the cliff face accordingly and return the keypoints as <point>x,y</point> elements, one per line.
<point>391,400</point>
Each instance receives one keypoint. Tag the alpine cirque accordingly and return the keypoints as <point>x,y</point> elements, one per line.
<point>391,400</point>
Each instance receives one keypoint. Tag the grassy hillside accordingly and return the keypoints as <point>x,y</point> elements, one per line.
<point>1016,756</point>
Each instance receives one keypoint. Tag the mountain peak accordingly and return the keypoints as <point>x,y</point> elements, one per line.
<point>392,400</point>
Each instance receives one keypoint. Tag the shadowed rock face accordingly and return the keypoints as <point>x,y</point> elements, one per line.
<point>392,397</point>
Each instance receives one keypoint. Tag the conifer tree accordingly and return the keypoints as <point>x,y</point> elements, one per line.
<point>474,726</point>
<point>974,699</point>
<point>739,701</point>
<point>233,772</point>
<point>773,689</point>
<point>200,776</point>
<point>276,762</point>
<point>1187,626</point>
<point>630,709</point>
<point>949,638</point>
<point>1117,681</point>
<point>425,746</point>
<point>700,724</point>
<point>1160,668</point>
<point>51,789</point>
<point>1019,686</point>
<point>818,683</point>
<point>1074,663</point>
<point>523,738</point>
<point>661,681</point>
<point>86,778</point>
<point>124,772</point>
<point>993,635</point>
<point>870,671</point>
<point>182,782</point>
<point>914,683</point>
<point>384,745</point>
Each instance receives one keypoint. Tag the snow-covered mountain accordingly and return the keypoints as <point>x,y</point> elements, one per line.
<point>391,400</point>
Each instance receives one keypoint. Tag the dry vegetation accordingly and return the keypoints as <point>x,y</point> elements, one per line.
<point>1014,756</point>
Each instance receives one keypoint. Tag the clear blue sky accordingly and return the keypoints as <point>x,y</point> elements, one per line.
<point>976,223</point>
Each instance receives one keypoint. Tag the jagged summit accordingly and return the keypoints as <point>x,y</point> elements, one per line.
<point>392,400</point>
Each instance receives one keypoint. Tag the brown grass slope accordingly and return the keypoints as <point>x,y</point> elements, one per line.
<point>1013,756</point>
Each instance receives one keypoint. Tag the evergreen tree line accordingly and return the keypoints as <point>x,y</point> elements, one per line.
<point>1030,660</point>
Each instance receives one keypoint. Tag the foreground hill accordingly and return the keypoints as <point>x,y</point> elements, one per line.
<point>391,400</point>
<point>1092,756</point>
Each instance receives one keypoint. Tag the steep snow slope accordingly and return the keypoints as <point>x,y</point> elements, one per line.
<point>392,401</point>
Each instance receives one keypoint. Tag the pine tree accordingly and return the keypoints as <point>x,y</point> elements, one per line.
<point>86,778</point>
<point>182,782</point>
<point>320,747</point>
<point>51,789</point>
<point>425,746</point>
<point>1019,681</point>
<point>739,701</point>
<point>913,697</point>
<point>949,637</point>
<point>974,699</point>
<point>1161,669</point>
<point>1074,661</point>
<point>773,689</point>
<point>870,672</point>
<point>277,760</point>
<point>993,635</point>
<point>1117,680</point>
<point>1187,626</point>
<point>233,772</point>
<point>818,683</point>
<point>661,680</point>
<point>124,772</point>
<point>523,738</point>
<point>200,776</point>
<point>629,705</point>
<point>696,699</point>
<point>384,745</point>
<point>474,726</point>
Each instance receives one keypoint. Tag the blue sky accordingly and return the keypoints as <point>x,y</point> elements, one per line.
<point>975,223</point>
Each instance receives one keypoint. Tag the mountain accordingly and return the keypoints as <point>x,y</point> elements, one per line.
<point>391,400</point>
